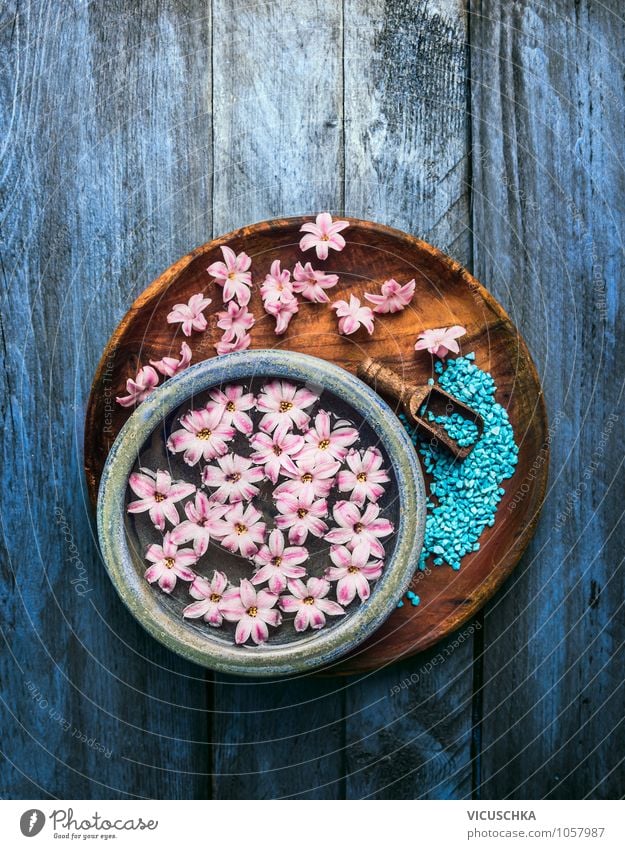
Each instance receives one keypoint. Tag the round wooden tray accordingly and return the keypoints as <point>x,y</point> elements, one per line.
<point>445,294</point>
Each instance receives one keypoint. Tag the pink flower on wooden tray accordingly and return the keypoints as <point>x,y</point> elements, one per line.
<point>309,603</point>
<point>235,321</point>
<point>169,366</point>
<point>190,315</point>
<point>278,562</point>
<point>252,610</point>
<point>301,514</point>
<point>169,563</point>
<point>203,523</point>
<point>284,405</point>
<point>234,478</point>
<point>322,441</point>
<point>323,234</point>
<point>312,284</point>
<point>234,403</point>
<point>364,476</point>
<point>283,312</point>
<point>138,389</point>
<point>352,570</point>
<point>276,285</point>
<point>158,495</point>
<point>209,595</point>
<point>244,530</point>
<point>308,473</point>
<point>233,275</point>
<point>239,343</point>
<point>393,297</point>
<point>440,340</point>
<point>353,316</point>
<point>203,436</point>
<point>359,530</point>
<point>275,452</point>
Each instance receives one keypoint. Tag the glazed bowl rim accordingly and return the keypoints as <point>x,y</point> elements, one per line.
<point>315,648</point>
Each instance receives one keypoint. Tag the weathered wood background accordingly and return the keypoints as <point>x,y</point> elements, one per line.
<point>133,131</point>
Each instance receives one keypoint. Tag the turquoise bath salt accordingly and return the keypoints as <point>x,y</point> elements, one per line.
<point>464,494</point>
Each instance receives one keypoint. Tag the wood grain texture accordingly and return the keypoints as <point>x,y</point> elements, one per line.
<point>102,185</point>
<point>548,124</point>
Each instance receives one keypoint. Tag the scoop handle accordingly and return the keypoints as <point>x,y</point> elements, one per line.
<point>384,379</point>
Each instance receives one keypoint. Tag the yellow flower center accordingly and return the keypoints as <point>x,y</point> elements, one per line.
<point>205,433</point>
<point>233,478</point>
<point>252,611</point>
<point>158,497</point>
<point>361,477</point>
<point>358,528</point>
<point>232,275</point>
<point>307,478</point>
<point>353,569</point>
<point>325,238</point>
<point>240,529</point>
<point>215,598</point>
<point>231,406</point>
<point>302,512</point>
<point>170,562</point>
<point>277,561</point>
<point>324,444</point>
<point>285,406</point>
<point>277,450</point>
<point>309,600</point>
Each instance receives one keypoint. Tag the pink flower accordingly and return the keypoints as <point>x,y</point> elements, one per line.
<point>169,563</point>
<point>323,234</point>
<point>352,316</point>
<point>252,611</point>
<point>233,401</point>
<point>169,366</point>
<point>243,532</point>
<point>210,599</point>
<point>277,285</point>
<point>139,388</point>
<point>283,312</point>
<point>190,315</point>
<point>440,340</point>
<point>158,495</point>
<point>235,478</point>
<point>202,524</point>
<point>301,514</point>
<point>353,572</point>
<point>241,343</point>
<point>284,405</point>
<point>235,320</point>
<point>309,473</point>
<point>364,478</point>
<point>278,563</point>
<point>321,442</point>
<point>308,602</point>
<point>203,435</point>
<point>311,284</point>
<point>359,531</point>
<point>275,452</point>
<point>394,298</point>
<point>233,275</point>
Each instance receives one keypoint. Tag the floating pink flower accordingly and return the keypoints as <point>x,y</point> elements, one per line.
<point>233,275</point>
<point>308,601</point>
<point>364,478</point>
<point>139,388</point>
<point>275,452</point>
<point>239,343</point>
<point>352,316</point>
<point>322,235</point>
<point>190,315</point>
<point>158,495</point>
<point>169,366</point>
<point>235,321</point>
<point>353,571</point>
<point>244,530</point>
<point>209,595</point>
<point>322,442</point>
<point>440,340</point>
<point>203,523</point>
<point>252,611</point>
<point>393,297</point>
<point>234,476</point>
<point>312,284</point>
<point>302,515</point>
<point>308,473</point>
<point>284,405</point>
<point>276,285</point>
<point>169,563</point>
<point>359,530</point>
<point>203,435</point>
<point>234,402</point>
<point>278,563</point>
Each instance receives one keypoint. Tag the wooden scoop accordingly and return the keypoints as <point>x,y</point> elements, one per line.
<point>412,398</point>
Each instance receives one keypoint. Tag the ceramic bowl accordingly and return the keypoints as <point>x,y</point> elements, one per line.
<point>123,538</point>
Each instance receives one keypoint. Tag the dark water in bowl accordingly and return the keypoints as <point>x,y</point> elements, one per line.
<point>154,455</point>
